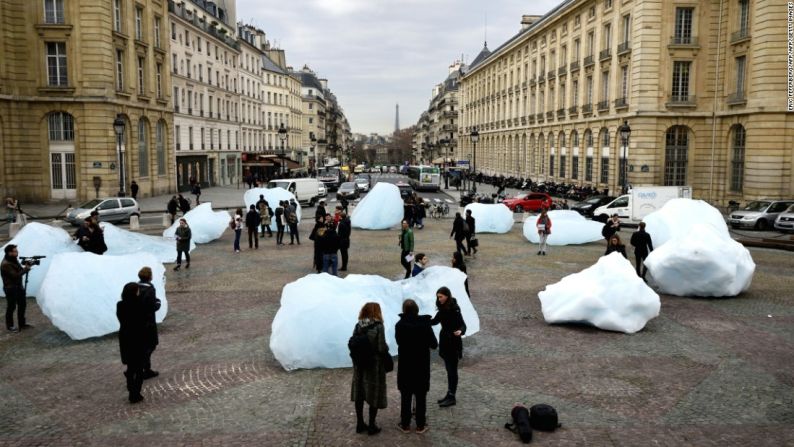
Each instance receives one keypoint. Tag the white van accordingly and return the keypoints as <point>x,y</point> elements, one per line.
<point>641,201</point>
<point>306,190</point>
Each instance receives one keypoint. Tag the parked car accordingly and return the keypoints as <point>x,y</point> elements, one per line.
<point>587,207</point>
<point>112,210</point>
<point>528,202</point>
<point>785,220</point>
<point>405,189</point>
<point>364,182</point>
<point>759,214</point>
<point>348,190</point>
<point>393,169</point>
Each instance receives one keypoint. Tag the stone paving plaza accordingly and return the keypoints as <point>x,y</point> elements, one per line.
<point>706,372</point>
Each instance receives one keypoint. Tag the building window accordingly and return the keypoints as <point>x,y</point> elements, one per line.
<point>56,64</point>
<point>190,138</point>
<point>604,169</point>
<point>607,4</point>
<point>680,88</point>
<point>589,90</point>
<point>160,148</point>
<point>590,43</point>
<point>740,75</point>
<point>562,166</point>
<point>744,17</point>
<point>551,164</point>
<point>159,80</point>
<point>737,162</point>
<point>53,11</point>
<point>588,168</point>
<point>675,156</point>
<point>626,28</point>
<point>119,70</point>
<point>177,137</point>
<point>117,16</point>
<point>624,82</point>
<point>607,36</point>
<point>141,77</point>
<point>61,126</point>
<point>176,99</point>
<point>187,63</point>
<point>683,26</point>
<point>139,23</point>
<point>575,94</point>
<point>157,25</point>
<point>173,31</point>
<point>143,149</point>
<point>605,86</point>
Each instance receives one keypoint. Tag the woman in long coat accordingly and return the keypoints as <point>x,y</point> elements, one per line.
<point>415,339</point>
<point>450,346</point>
<point>132,336</point>
<point>369,381</point>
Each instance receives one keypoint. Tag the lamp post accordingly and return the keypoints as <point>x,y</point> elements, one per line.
<point>445,167</point>
<point>312,158</point>
<point>118,126</point>
<point>282,134</point>
<point>625,133</point>
<point>475,137</point>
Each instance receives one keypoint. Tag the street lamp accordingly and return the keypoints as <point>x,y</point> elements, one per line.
<point>445,168</point>
<point>312,158</point>
<point>625,133</point>
<point>118,126</point>
<point>475,137</point>
<point>282,134</point>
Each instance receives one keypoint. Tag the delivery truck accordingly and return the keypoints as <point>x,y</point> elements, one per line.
<point>641,201</point>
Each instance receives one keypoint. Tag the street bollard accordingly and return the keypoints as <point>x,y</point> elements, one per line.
<point>135,223</point>
<point>14,228</point>
<point>166,220</point>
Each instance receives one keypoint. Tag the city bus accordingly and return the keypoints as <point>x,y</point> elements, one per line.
<point>424,177</point>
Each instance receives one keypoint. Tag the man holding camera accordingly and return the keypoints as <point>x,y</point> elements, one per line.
<point>12,273</point>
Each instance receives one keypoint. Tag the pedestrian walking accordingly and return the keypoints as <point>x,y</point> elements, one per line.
<point>196,191</point>
<point>172,207</point>
<point>280,223</point>
<point>415,340</point>
<point>344,230</point>
<point>320,212</point>
<point>329,243</point>
<point>615,245</point>
<point>132,317</point>
<point>343,201</point>
<point>460,264</point>
<point>184,205</point>
<point>292,221</point>
<point>450,347</point>
<point>420,262</point>
<point>237,226</point>
<point>134,189</point>
<point>611,226</point>
<point>459,231</point>
<point>369,376</point>
<point>317,232</point>
<point>266,214</point>
<point>408,211</point>
<point>543,225</point>
<point>471,246</point>
<point>151,304</point>
<point>252,221</point>
<point>641,241</point>
<point>406,248</point>
<point>183,236</point>
<point>419,212</point>
<point>12,273</point>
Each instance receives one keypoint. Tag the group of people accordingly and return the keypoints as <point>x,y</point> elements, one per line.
<point>261,215</point>
<point>177,203</point>
<point>464,230</point>
<point>640,240</point>
<point>415,341</point>
<point>414,211</point>
<point>331,236</point>
<point>90,236</point>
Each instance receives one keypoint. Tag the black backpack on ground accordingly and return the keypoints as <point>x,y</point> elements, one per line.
<point>361,350</point>
<point>543,417</point>
<point>521,424</point>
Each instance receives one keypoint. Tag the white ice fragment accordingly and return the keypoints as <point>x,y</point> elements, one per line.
<point>273,197</point>
<point>80,292</point>
<point>380,209</point>
<point>678,216</point>
<point>703,262</point>
<point>490,218</point>
<point>608,295</point>
<point>318,313</point>
<point>37,239</point>
<point>567,228</point>
<point>123,242</point>
<point>205,224</point>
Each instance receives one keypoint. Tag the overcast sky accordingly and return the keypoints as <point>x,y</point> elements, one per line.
<point>376,53</point>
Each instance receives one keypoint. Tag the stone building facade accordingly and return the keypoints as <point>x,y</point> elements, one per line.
<point>702,86</point>
<point>68,69</point>
<point>436,136</point>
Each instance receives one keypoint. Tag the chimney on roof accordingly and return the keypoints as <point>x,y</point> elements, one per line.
<point>528,20</point>
<point>324,83</point>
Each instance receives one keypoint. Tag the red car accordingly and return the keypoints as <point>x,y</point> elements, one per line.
<point>534,201</point>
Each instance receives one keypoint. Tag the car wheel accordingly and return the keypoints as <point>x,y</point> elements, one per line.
<point>762,225</point>
<point>519,209</point>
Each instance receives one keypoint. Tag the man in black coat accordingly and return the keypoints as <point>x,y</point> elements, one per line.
<point>132,332</point>
<point>13,272</point>
<point>329,245</point>
<point>151,304</point>
<point>642,246</point>
<point>172,207</point>
<point>344,229</point>
<point>320,213</point>
<point>184,205</point>
<point>415,339</point>
<point>470,222</point>
<point>252,220</point>
<point>459,233</point>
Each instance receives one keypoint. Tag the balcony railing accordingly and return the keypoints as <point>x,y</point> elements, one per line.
<point>550,115</point>
<point>539,117</point>
<point>603,105</point>
<point>573,110</point>
<point>523,121</point>
<point>551,74</point>
<point>531,119</point>
<point>740,35</point>
<point>561,113</point>
<point>562,70</point>
<point>541,78</point>
<point>574,66</point>
<point>683,41</point>
<point>624,47</point>
<point>524,84</point>
<point>621,103</point>
<point>682,101</point>
<point>605,54</point>
<point>589,61</point>
<point>533,81</point>
<point>737,98</point>
<point>587,108</point>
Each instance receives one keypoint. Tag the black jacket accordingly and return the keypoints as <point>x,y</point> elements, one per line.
<point>279,213</point>
<point>415,339</point>
<point>12,272</point>
<point>172,206</point>
<point>150,304</point>
<point>184,205</point>
<point>133,320</point>
<point>329,242</point>
<point>470,223</point>
<point>252,219</point>
<point>620,248</point>
<point>457,229</point>
<point>642,243</point>
<point>320,212</point>
<point>608,231</point>
<point>451,320</point>
<point>344,230</point>
<point>96,241</point>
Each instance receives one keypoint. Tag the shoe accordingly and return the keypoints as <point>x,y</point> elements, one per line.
<point>448,402</point>
<point>443,398</point>
<point>187,266</point>
<point>373,430</point>
<point>13,329</point>
<point>237,251</point>
<point>292,243</point>
<point>403,428</point>
<point>544,253</point>
<point>149,374</point>
<point>25,326</point>
<point>176,269</point>
<point>361,427</point>
<point>299,243</point>
<point>135,399</point>
<point>421,430</point>
<point>343,269</point>
<point>539,253</point>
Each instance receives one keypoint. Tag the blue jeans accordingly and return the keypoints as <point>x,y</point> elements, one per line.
<point>330,261</point>
<point>237,234</point>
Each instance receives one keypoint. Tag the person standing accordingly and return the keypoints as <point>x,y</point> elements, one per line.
<point>151,304</point>
<point>415,339</point>
<point>12,273</point>
<point>408,211</point>
<point>471,223</point>
<point>344,230</point>
<point>11,209</point>
<point>320,212</point>
<point>197,192</point>
<point>315,236</point>
<point>420,263</point>
<point>172,207</point>
<point>183,236</point>
<point>419,212</point>
<point>450,347</point>
<point>280,221</point>
<point>406,247</point>
<point>369,378</point>
<point>134,189</point>
<point>266,214</point>
<point>292,221</point>
<point>343,201</point>
<point>641,241</point>
<point>237,226</point>
<point>460,264</point>
<point>252,221</point>
<point>543,225</point>
<point>459,233</point>
<point>132,333</point>
<point>616,246</point>
<point>329,242</point>
<point>184,205</point>
<point>611,227</point>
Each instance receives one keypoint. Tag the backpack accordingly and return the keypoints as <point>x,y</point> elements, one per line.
<point>292,217</point>
<point>232,224</point>
<point>521,424</point>
<point>361,350</point>
<point>543,417</point>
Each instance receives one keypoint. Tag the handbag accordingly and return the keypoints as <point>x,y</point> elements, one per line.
<point>474,243</point>
<point>388,362</point>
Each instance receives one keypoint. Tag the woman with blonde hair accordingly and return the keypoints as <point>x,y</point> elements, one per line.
<point>369,373</point>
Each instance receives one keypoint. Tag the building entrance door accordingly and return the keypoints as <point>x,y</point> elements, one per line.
<point>62,173</point>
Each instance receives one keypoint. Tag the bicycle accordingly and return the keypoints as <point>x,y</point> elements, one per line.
<point>440,210</point>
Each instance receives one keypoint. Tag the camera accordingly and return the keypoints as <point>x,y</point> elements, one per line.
<point>31,260</point>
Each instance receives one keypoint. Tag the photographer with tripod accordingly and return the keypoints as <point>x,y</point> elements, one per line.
<point>12,272</point>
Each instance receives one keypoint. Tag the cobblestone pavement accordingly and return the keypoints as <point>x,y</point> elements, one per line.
<point>707,372</point>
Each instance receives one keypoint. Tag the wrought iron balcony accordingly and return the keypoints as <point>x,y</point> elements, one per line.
<point>683,41</point>
<point>737,98</point>
<point>574,66</point>
<point>540,118</point>
<point>541,78</point>
<point>741,35</point>
<point>624,47</point>
<point>562,70</point>
<point>561,113</point>
<point>533,81</point>
<point>551,74</point>
<point>573,110</point>
<point>589,61</point>
<point>550,115</point>
<point>605,54</point>
<point>531,119</point>
<point>603,105</point>
<point>587,109</point>
<point>621,103</point>
<point>682,101</point>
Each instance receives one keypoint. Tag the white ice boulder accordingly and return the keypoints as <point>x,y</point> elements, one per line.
<point>380,209</point>
<point>567,228</point>
<point>205,224</point>
<point>608,295</point>
<point>702,262</point>
<point>490,218</point>
<point>80,292</point>
<point>318,313</point>
<point>37,239</point>
<point>273,197</point>
<point>678,216</point>
<point>123,242</point>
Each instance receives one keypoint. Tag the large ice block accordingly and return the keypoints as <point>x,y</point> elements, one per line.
<point>678,216</point>
<point>123,242</point>
<point>273,196</point>
<point>567,228</point>
<point>490,218</point>
<point>380,209</point>
<point>205,224</point>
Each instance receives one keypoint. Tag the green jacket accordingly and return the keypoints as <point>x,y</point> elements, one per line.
<point>183,243</point>
<point>407,240</point>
